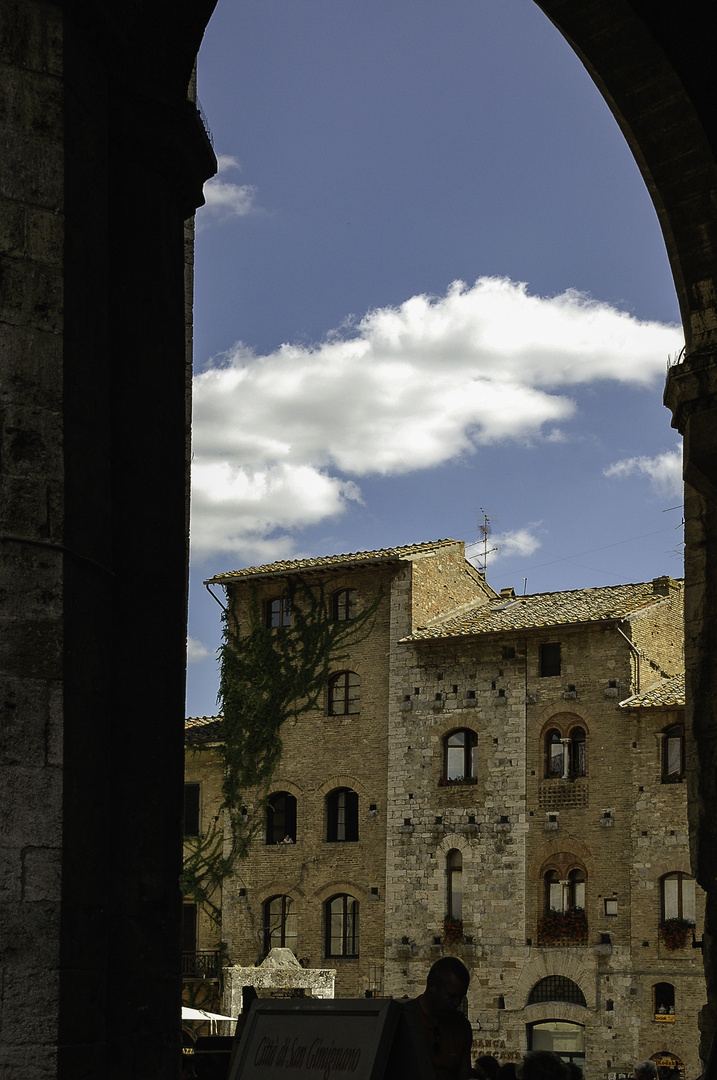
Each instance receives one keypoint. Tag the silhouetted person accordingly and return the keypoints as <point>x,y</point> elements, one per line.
<point>542,1065</point>
<point>645,1070</point>
<point>447,1032</point>
<point>488,1065</point>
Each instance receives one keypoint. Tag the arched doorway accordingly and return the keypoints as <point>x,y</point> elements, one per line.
<point>562,1037</point>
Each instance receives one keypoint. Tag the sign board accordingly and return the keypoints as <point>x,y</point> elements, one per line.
<point>303,1039</point>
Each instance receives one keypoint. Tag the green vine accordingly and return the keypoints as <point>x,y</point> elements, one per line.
<point>267,676</point>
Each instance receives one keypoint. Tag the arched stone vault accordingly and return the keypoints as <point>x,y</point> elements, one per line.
<point>94,527</point>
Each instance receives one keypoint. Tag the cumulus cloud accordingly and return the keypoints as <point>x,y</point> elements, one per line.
<point>224,199</point>
<point>196,651</point>
<point>664,471</point>
<point>524,542</point>
<point>403,388</point>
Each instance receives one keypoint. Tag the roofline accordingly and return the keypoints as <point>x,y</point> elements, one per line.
<point>322,567</point>
<point>412,640</point>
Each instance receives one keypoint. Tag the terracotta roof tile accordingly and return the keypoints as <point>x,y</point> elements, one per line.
<point>200,730</point>
<point>290,566</point>
<point>667,693</point>
<point>544,610</point>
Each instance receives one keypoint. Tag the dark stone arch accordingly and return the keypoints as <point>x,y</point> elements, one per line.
<point>652,60</point>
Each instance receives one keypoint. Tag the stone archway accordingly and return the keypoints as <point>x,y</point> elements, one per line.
<point>651,62</point>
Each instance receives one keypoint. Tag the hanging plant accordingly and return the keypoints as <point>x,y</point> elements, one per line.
<point>563,927</point>
<point>674,933</point>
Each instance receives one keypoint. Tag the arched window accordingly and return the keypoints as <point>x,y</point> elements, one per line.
<point>281,818</point>
<point>553,891</point>
<point>678,897</point>
<point>557,988</point>
<point>344,694</point>
<point>342,814</point>
<point>341,914</point>
<point>576,889</point>
<point>564,750</point>
<point>663,998</point>
<point>564,894</point>
<point>673,754</point>
<point>279,923</point>
<point>553,754</point>
<point>343,605</point>
<point>278,611</point>
<point>454,884</point>
<point>459,755</point>
<point>577,752</point>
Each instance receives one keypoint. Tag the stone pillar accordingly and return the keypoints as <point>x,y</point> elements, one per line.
<point>691,394</point>
<point>103,160</point>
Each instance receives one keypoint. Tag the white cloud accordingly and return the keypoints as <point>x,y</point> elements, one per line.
<point>402,389</point>
<point>224,199</point>
<point>236,508</point>
<point>196,651</point>
<point>664,471</point>
<point>523,542</point>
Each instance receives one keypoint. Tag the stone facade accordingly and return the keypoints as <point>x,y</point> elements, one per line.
<point>513,809</point>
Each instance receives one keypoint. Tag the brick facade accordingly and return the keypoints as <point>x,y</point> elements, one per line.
<point>510,771</point>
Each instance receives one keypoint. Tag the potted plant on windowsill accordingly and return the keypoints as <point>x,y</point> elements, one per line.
<point>563,927</point>
<point>452,930</point>
<point>674,933</point>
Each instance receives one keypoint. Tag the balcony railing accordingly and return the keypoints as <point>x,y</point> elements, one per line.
<point>200,965</point>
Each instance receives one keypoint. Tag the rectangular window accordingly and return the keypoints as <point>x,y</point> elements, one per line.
<point>549,659</point>
<point>191,809</point>
<point>189,928</point>
<point>610,906</point>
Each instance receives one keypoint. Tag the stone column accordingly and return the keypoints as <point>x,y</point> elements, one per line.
<point>691,394</point>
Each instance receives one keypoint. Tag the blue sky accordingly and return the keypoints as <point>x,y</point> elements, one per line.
<point>429,282</point>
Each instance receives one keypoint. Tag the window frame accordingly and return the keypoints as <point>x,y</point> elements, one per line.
<point>469,753</point>
<point>287,915</point>
<point>565,756</point>
<point>454,878</point>
<point>550,660</point>
<point>350,811</point>
<point>277,612</point>
<point>577,751</point>
<point>343,703</point>
<point>663,993</point>
<point>349,926</point>
<point>344,604</point>
<point>681,877</point>
<point>571,884</point>
<point>286,824</point>
<point>671,734</point>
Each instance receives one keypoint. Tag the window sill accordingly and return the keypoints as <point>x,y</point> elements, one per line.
<point>664,1018</point>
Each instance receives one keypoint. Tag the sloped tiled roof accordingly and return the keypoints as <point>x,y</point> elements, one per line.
<point>544,610</point>
<point>289,566</point>
<point>667,693</point>
<point>201,730</point>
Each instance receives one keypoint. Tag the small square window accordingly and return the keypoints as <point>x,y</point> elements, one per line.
<point>610,905</point>
<point>549,655</point>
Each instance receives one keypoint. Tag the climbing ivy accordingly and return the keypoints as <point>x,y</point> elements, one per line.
<point>267,676</point>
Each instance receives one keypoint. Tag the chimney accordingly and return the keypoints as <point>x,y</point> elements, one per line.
<point>663,586</point>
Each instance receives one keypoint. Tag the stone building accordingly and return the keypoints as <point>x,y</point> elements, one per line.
<point>495,776</point>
